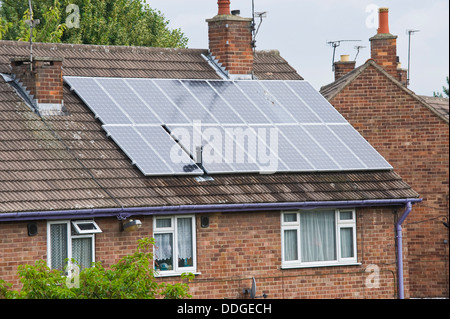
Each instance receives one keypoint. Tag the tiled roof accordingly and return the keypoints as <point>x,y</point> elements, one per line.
<point>140,62</point>
<point>440,104</point>
<point>67,162</point>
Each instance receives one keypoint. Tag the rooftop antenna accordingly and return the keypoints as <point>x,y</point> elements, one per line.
<point>32,23</point>
<point>358,48</point>
<point>335,44</point>
<point>261,16</point>
<point>409,32</point>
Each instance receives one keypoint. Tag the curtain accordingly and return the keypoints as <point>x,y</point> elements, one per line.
<point>58,245</point>
<point>346,242</point>
<point>290,245</point>
<point>82,251</point>
<point>184,226</point>
<point>163,246</point>
<point>317,236</point>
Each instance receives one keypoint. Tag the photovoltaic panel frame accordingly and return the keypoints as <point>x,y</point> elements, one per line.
<point>144,117</point>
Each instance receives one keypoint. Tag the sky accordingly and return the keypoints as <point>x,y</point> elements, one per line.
<point>301,30</point>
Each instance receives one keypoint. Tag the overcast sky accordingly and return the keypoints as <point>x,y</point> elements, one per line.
<point>300,30</point>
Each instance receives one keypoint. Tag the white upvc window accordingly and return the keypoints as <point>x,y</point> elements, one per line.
<point>175,244</point>
<point>71,240</point>
<point>318,238</point>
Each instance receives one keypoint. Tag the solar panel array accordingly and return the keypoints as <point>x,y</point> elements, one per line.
<point>241,126</point>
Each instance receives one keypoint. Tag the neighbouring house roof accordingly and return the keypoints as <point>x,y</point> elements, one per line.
<point>140,62</point>
<point>68,162</point>
<point>439,106</point>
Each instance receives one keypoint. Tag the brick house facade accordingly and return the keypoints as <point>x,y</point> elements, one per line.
<point>413,135</point>
<point>59,170</point>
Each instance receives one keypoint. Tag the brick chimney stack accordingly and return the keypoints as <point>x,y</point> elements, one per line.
<point>384,46</point>
<point>343,67</point>
<point>43,79</point>
<point>230,41</point>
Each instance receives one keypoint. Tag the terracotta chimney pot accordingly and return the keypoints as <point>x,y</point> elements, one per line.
<point>224,7</point>
<point>383,21</point>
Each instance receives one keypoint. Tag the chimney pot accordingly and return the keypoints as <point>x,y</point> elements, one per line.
<point>345,58</point>
<point>383,21</point>
<point>224,7</point>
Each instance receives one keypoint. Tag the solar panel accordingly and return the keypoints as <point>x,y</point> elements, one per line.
<point>308,147</point>
<point>129,101</point>
<point>152,150</point>
<point>334,147</point>
<point>242,126</point>
<point>317,103</point>
<point>360,146</point>
<point>211,101</point>
<point>265,101</point>
<point>162,106</point>
<point>291,102</point>
<point>98,100</point>
<point>185,102</point>
<point>244,106</point>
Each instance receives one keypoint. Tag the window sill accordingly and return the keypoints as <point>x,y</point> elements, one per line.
<point>174,274</point>
<point>314,265</point>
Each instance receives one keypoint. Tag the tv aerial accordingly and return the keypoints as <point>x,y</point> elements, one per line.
<point>31,23</point>
<point>409,32</point>
<point>358,48</point>
<point>335,44</point>
<point>255,30</point>
<point>252,291</point>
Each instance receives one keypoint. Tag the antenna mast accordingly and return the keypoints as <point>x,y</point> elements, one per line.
<point>255,30</point>
<point>335,44</point>
<point>32,23</point>
<point>409,54</point>
<point>358,48</point>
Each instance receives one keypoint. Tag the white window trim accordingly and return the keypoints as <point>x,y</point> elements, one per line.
<point>351,223</point>
<point>173,229</point>
<point>69,240</point>
<point>76,224</point>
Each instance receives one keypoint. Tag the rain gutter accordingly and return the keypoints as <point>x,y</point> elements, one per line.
<point>124,213</point>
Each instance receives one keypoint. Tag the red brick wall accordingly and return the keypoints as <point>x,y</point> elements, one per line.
<point>235,248</point>
<point>416,143</point>
<point>230,39</point>
<point>341,68</point>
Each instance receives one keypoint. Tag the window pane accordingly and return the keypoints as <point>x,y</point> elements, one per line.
<point>164,251</point>
<point>164,223</point>
<point>289,218</point>
<point>290,245</point>
<point>82,251</point>
<point>347,242</point>
<point>318,236</point>
<point>184,234</point>
<point>346,215</point>
<point>58,245</point>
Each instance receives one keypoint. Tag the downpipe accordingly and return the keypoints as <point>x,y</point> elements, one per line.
<point>401,291</point>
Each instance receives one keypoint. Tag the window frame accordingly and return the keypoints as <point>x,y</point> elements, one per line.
<point>339,224</point>
<point>173,229</point>
<point>69,239</point>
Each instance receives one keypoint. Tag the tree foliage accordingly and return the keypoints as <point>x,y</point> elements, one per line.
<point>102,22</point>
<point>444,89</point>
<point>131,278</point>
